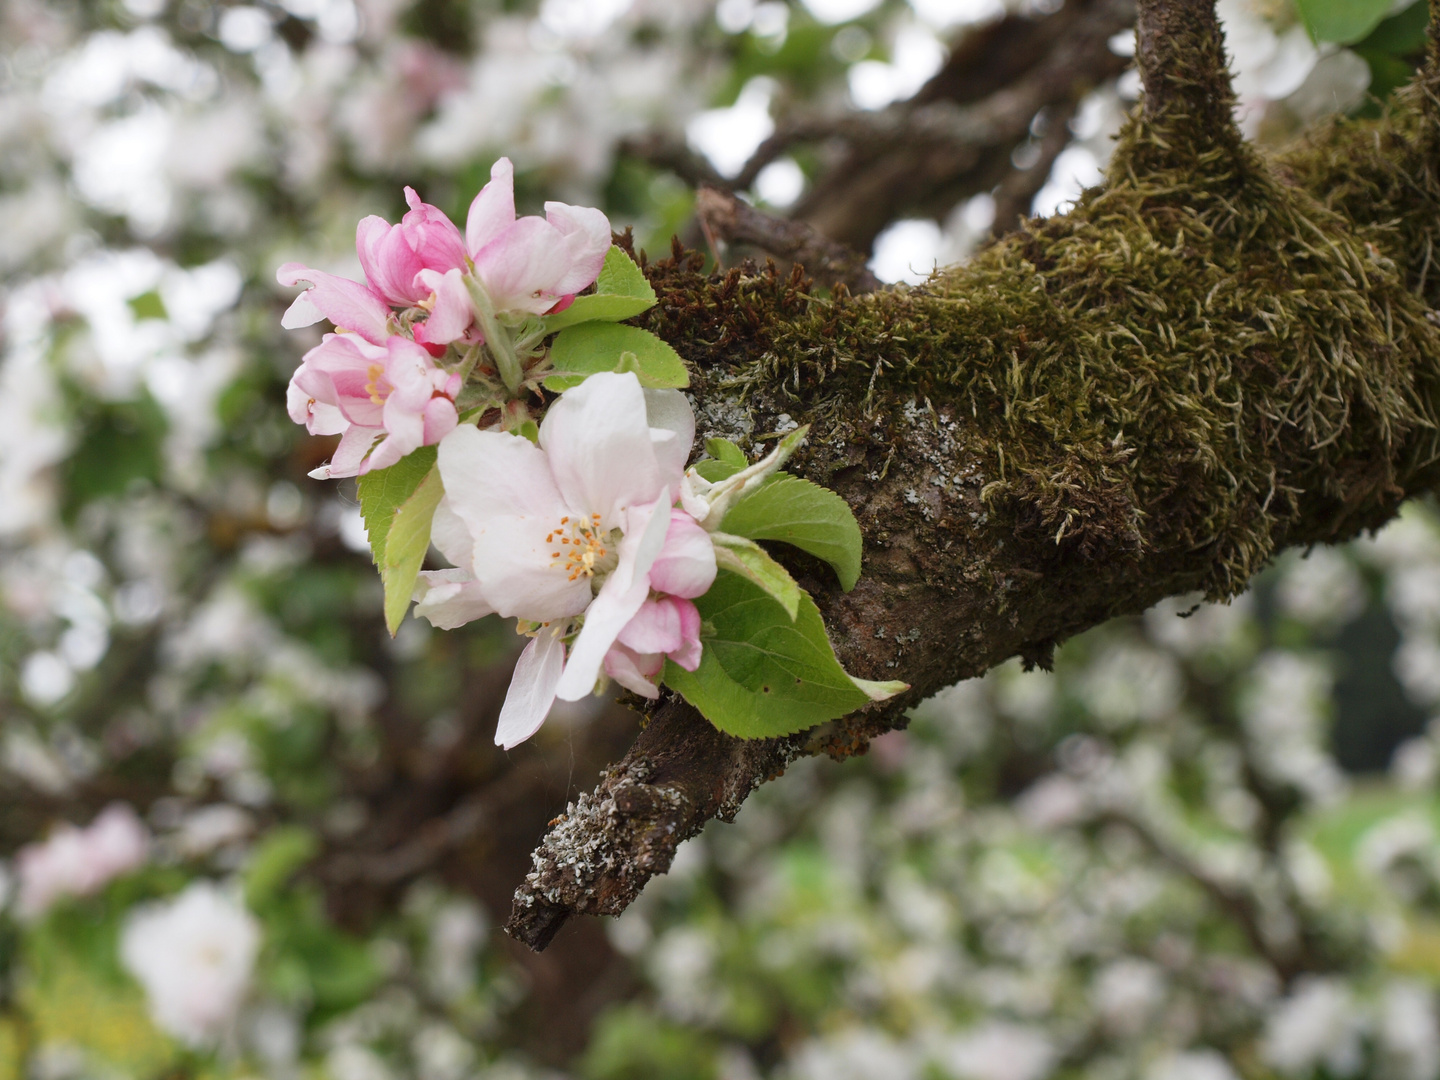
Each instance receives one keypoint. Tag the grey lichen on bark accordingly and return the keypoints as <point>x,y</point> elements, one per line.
<point>1212,357</point>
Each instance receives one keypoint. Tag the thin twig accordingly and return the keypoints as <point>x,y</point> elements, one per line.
<point>737,222</point>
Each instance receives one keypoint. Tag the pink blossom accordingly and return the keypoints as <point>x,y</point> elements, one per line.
<point>664,626</point>
<point>568,528</point>
<point>348,304</point>
<point>349,387</point>
<point>667,624</point>
<point>78,862</point>
<point>393,255</point>
<point>532,264</point>
<point>451,313</point>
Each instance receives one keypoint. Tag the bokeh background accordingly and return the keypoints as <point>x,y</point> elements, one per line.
<point>247,834</point>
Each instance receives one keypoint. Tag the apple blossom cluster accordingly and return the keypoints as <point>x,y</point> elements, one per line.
<point>586,527</point>
<point>574,534</point>
<point>389,380</point>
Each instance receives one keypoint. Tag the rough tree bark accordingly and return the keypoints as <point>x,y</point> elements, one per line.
<point>1214,357</point>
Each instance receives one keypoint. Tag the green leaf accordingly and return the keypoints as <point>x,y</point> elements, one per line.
<point>620,276</point>
<point>558,384</point>
<point>598,346</point>
<point>805,515</point>
<point>383,490</point>
<point>761,673</point>
<point>621,292</point>
<point>406,546</point>
<point>398,505</point>
<point>1402,34</point>
<point>752,562</point>
<point>726,459</point>
<point>724,450</point>
<point>1341,21</point>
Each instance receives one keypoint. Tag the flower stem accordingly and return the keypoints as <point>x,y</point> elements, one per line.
<point>497,337</point>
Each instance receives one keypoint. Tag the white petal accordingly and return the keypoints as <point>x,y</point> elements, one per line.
<point>302,312</point>
<point>501,488</point>
<point>599,445</point>
<point>669,411</point>
<point>692,500</point>
<point>450,536</point>
<point>532,690</point>
<point>620,598</point>
<point>449,598</point>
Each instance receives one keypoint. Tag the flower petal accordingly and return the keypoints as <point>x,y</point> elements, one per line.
<point>354,445</point>
<point>633,670</point>
<point>441,418</point>
<point>449,598</point>
<point>669,411</point>
<point>501,488</point>
<point>301,313</point>
<point>493,210</point>
<point>390,264</point>
<point>688,655</point>
<point>450,536</point>
<point>655,628</point>
<point>452,313</point>
<point>686,564</point>
<point>587,240</point>
<point>348,304</point>
<point>520,267</point>
<point>620,598</point>
<point>532,690</point>
<point>599,446</point>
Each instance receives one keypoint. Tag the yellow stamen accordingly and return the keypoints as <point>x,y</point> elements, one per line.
<point>376,372</point>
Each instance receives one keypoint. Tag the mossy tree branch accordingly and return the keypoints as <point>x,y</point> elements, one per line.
<point>1213,357</point>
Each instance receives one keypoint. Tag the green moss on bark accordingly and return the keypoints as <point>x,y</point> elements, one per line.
<point>1205,352</point>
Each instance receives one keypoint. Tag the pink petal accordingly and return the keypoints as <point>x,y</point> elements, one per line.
<point>348,304</point>
<point>688,655</point>
<point>452,313</point>
<point>378,259</point>
<point>634,671</point>
<point>319,418</point>
<point>532,690</point>
<point>520,267</point>
<point>587,240</point>
<point>432,234</point>
<point>493,209</point>
<point>655,628</point>
<point>440,419</point>
<point>686,564</point>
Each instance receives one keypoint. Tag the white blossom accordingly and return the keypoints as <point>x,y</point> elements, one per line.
<point>194,955</point>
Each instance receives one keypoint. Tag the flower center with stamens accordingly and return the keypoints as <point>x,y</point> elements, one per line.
<point>580,549</point>
<point>377,392</point>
